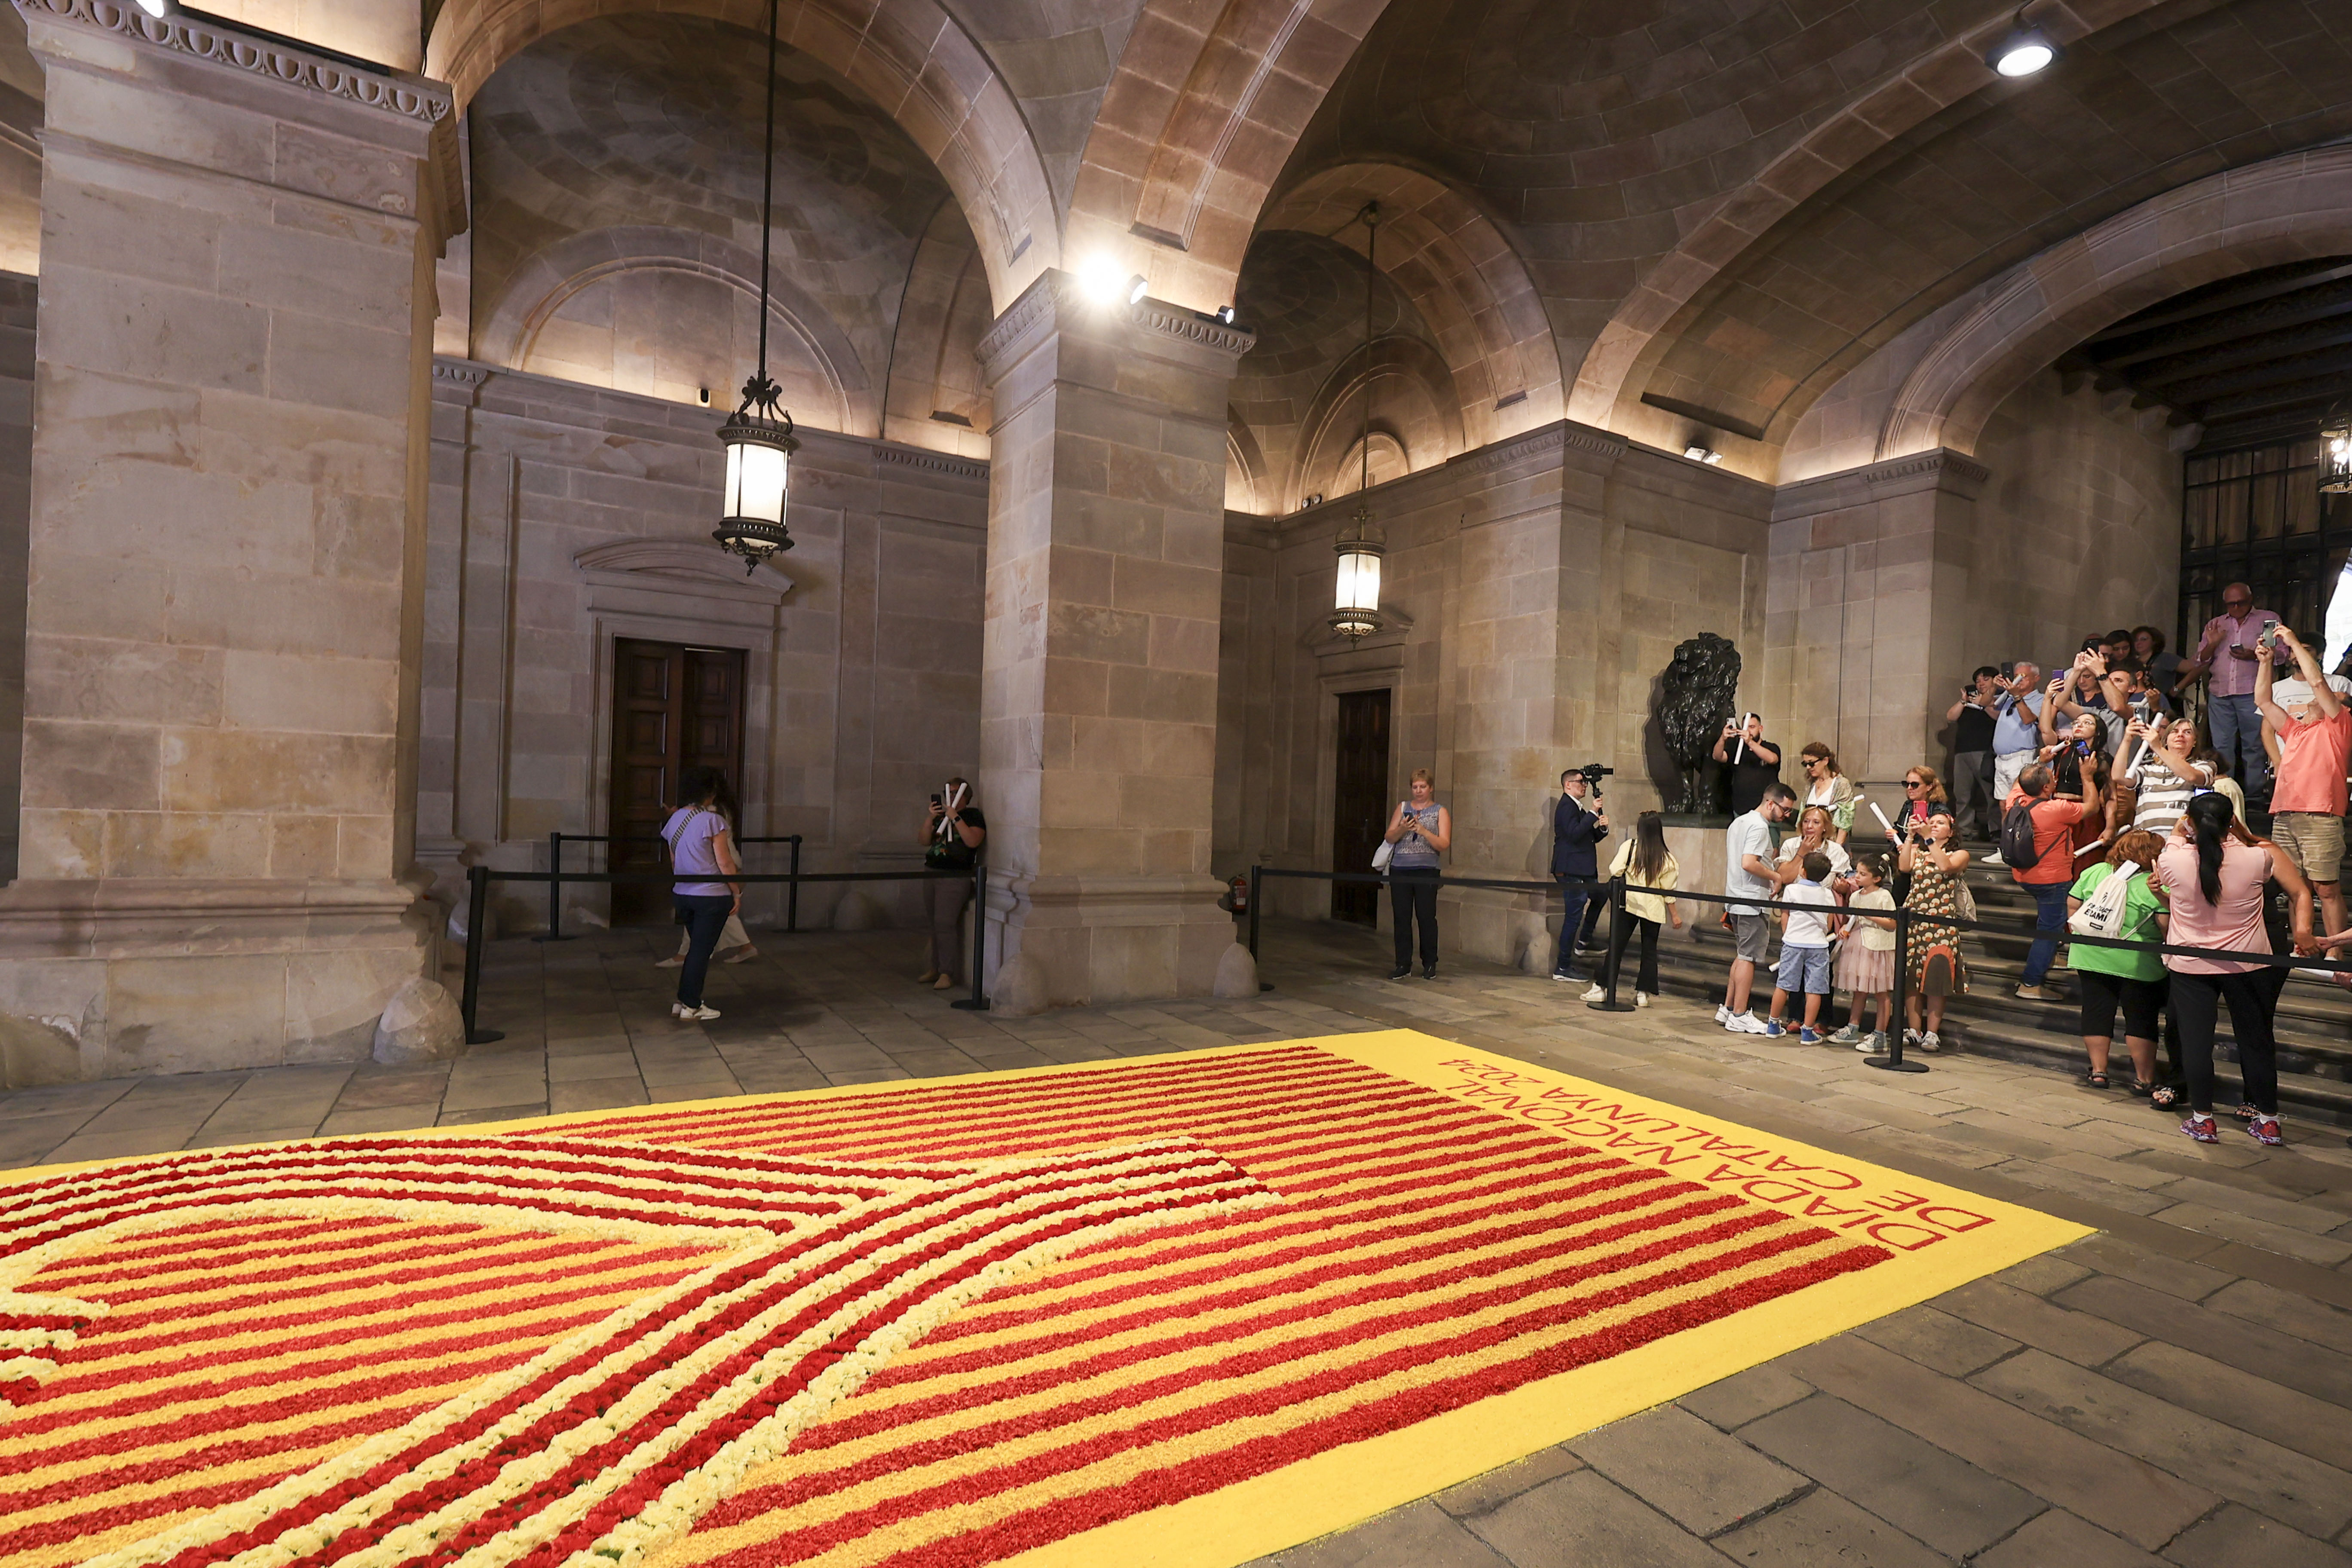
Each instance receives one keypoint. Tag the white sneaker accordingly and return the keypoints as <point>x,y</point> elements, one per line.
<point>1748,1024</point>
<point>684,1013</point>
<point>1874,1043</point>
<point>1599,992</point>
<point>1928,1042</point>
<point>1722,1016</point>
<point>1641,998</point>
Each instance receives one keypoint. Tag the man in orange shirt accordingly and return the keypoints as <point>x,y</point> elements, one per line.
<point>2314,737</point>
<point>2052,871</point>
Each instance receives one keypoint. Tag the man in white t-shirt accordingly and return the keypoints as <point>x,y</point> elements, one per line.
<point>1748,874</point>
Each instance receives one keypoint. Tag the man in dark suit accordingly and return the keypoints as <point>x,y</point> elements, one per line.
<point>1575,830</point>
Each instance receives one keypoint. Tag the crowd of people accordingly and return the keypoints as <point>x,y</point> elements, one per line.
<point>2116,794</point>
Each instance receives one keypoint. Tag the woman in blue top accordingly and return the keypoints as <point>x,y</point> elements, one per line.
<point>1420,830</point>
<point>702,852</point>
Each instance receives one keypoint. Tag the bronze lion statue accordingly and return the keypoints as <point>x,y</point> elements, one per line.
<point>1697,692</point>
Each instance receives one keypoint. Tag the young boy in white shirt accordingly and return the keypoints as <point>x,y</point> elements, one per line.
<point>1804,968</point>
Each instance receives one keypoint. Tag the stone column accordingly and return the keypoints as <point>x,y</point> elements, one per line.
<point>1098,692</point>
<point>225,554</point>
<point>1867,611</point>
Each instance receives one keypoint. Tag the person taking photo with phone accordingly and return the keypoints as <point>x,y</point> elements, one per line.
<point>1754,761</point>
<point>1420,830</point>
<point>2225,659</point>
<point>952,836</point>
<point>2315,741</point>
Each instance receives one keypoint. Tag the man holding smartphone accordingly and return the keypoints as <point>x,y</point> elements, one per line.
<point>2226,657</point>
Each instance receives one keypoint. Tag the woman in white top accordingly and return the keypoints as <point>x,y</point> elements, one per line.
<point>701,854</point>
<point>1644,861</point>
<point>1813,833</point>
<point>1828,788</point>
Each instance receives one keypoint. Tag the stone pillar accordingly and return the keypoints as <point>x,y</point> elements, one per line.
<point>1867,612</point>
<point>226,551</point>
<point>1099,691</point>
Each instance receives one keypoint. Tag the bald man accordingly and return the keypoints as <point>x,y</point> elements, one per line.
<point>2226,659</point>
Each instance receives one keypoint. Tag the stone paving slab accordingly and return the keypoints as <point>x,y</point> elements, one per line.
<point>2176,1389</point>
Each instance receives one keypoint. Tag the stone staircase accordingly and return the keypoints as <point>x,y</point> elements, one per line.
<point>2314,1021</point>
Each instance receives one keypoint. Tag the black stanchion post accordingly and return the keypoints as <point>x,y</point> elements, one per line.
<point>976,1003</point>
<point>1893,1061</point>
<point>1256,883</point>
<point>554,932</point>
<point>792,889</point>
<point>1617,934</point>
<point>478,900</point>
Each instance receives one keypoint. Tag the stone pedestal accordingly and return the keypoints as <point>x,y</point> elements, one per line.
<point>1098,693</point>
<point>224,564</point>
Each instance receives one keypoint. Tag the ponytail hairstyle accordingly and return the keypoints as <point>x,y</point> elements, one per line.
<point>2210,817</point>
<point>1649,848</point>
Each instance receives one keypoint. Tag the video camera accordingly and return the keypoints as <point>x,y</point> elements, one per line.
<point>1592,773</point>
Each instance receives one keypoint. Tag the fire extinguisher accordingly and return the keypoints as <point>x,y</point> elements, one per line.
<point>1240,893</point>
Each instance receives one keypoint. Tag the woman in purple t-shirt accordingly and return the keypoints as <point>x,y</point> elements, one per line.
<point>702,853</point>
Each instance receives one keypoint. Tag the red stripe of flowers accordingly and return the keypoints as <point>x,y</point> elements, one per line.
<point>1172,1483</point>
<point>325,1238</point>
<point>1459,1304</point>
<point>983,1197</point>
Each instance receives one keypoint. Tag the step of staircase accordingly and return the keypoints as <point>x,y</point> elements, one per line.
<point>2314,1018</point>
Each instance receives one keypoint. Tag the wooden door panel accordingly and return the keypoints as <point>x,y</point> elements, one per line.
<point>1360,806</point>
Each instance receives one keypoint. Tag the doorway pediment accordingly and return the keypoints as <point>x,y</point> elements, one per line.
<point>693,567</point>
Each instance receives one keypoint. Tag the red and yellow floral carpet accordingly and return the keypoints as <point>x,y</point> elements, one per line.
<point>1183,1310</point>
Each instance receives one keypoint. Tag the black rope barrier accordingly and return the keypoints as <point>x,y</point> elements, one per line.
<point>479,878</point>
<point>556,841</point>
<point>1618,887</point>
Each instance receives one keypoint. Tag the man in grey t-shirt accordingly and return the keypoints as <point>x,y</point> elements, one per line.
<point>1748,874</point>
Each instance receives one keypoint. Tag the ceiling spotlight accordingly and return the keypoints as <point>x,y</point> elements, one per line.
<point>1226,314</point>
<point>1134,287</point>
<point>1702,454</point>
<point>2024,51</point>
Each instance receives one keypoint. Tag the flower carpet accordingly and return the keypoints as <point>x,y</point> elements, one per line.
<point>1184,1311</point>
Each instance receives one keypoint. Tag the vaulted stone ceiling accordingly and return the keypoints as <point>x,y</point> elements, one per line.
<point>616,208</point>
<point>1601,134</point>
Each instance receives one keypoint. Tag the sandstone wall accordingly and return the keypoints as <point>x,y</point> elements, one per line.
<point>565,517</point>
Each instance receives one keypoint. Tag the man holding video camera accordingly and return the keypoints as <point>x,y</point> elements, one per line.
<point>1575,830</point>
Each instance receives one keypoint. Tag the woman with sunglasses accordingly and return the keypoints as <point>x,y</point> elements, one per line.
<point>1827,788</point>
<point>1923,798</point>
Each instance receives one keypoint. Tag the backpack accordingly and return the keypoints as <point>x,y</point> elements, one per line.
<point>2017,850</point>
<point>2102,913</point>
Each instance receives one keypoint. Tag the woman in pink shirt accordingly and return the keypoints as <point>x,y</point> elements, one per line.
<point>2215,886</point>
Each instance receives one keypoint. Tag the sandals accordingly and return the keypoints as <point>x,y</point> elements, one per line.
<point>2164,1097</point>
<point>2142,1090</point>
<point>2096,1080</point>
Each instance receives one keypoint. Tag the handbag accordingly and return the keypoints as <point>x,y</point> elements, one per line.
<point>1381,856</point>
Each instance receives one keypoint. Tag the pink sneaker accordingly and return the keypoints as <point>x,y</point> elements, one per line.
<point>2265,1129</point>
<point>2200,1128</point>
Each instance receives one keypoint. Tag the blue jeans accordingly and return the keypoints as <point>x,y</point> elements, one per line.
<point>1580,917</point>
<point>704,915</point>
<point>2237,726</point>
<point>2049,914</point>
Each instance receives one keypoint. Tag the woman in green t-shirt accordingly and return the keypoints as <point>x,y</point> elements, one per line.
<point>2122,977</point>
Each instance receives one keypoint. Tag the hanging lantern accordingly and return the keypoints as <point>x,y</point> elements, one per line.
<point>2335,451</point>
<point>759,434</point>
<point>760,446</point>
<point>1356,613</point>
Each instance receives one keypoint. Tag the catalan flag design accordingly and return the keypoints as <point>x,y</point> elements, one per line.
<point>1185,1310</point>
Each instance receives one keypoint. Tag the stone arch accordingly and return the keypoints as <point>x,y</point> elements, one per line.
<point>1247,481</point>
<point>1425,422</point>
<point>1461,272</point>
<point>1636,335</point>
<point>911,57</point>
<point>541,287</point>
<point>936,395</point>
<point>1200,116</point>
<point>2281,210</point>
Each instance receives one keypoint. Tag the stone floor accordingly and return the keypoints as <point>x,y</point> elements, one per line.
<point>2176,1389</point>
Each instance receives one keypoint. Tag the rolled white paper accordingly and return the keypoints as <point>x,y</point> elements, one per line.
<point>1880,815</point>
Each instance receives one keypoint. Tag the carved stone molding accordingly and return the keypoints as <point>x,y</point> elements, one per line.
<point>1941,468</point>
<point>695,566</point>
<point>395,92</point>
<point>1058,291</point>
<point>937,462</point>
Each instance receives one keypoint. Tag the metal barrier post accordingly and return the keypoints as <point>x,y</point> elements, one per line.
<point>1893,1061</point>
<point>793,888</point>
<point>1617,933</point>
<point>976,1003</point>
<point>554,932</point>
<point>1255,883</point>
<point>477,899</point>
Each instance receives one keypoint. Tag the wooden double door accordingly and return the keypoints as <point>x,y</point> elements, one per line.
<point>674,706</point>
<point>1359,804</point>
